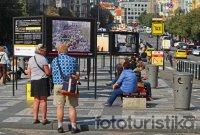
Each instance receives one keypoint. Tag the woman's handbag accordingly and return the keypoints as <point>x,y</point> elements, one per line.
<point>70,84</point>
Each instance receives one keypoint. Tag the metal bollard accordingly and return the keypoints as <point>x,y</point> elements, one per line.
<point>182,90</point>
<point>153,75</point>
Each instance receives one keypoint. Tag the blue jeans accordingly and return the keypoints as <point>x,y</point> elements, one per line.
<point>114,95</point>
<point>148,87</point>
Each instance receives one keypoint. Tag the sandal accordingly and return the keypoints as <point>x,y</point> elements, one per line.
<point>45,122</point>
<point>36,121</point>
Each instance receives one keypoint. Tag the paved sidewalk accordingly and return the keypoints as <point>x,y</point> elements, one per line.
<point>16,112</point>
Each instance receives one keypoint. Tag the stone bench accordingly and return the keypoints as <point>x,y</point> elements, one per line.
<point>135,100</point>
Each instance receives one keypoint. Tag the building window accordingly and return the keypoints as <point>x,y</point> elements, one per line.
<point>135,5</point>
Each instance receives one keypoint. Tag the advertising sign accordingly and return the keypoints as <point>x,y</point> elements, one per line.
<point>157,28</point>
<point>28,32</point>
<point>157,58</point>
<point>166,44</point>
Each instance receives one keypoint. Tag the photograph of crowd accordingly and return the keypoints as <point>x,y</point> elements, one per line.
<point>74,33</point>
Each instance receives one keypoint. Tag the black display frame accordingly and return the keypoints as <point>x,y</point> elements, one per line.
<point>34,43</point>
<point>93,32</point>
<point>112,43</point>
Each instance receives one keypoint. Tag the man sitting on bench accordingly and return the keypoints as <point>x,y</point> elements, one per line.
<point>126,83</point>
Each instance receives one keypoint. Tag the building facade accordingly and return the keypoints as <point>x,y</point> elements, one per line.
<point>39,5</point>
<point>152,6</point>
<point>132,9</point>
<point>78,7</point>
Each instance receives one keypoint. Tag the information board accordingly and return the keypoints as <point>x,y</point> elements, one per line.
<point>28,32</point>
<point>157,58</point>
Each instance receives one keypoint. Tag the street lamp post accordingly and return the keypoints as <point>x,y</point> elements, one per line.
<point>98,22</point>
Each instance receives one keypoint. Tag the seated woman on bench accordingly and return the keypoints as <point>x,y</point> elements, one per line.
<point>138,69</point>
<point>126,83</point>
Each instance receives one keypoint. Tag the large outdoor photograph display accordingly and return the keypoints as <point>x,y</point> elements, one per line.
<point>28,32</point>
<point>78,34</point>
<point>125,43</point>
<point>103,40</point>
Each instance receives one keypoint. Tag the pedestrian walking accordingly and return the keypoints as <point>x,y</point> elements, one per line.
<point>171,59</point>
<point>167,55</point>
<point>3,64</point>
<point>68,65</point>
<point>38,72</point>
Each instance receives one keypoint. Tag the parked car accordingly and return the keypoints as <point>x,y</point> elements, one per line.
<point>190,48</point>
<point>180,44</point>
<point>148,51</point>
<point>180,53</point>
<point>196,51</point>
<point>164,36</point>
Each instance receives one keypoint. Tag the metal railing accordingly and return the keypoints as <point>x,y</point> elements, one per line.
<point>191,67</point>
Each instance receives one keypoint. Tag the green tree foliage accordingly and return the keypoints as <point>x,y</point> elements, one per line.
<point>66,12</point>
<point>146,18</point>
<point>51,11</point>
<point>194,23</point>
<point>185,25</point>
<point>104,15</point>
<point>8,10</point>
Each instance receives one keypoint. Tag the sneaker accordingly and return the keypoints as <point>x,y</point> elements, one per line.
<point>75,130</point>
<point>60,130</point>
<point>107,104</point>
